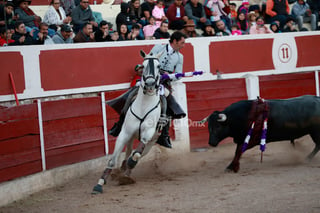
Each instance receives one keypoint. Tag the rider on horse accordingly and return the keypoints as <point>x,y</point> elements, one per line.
<point>171,61</point>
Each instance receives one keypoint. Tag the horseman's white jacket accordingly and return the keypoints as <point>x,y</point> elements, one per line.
<point>52,16</point>
<point>170,60</point>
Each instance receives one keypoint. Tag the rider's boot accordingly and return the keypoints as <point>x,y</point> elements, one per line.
<point>164,138</point>
<point>115,130</point>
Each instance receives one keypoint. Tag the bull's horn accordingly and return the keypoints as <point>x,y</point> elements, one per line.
<point>222,117</point>
<point>203,120</point>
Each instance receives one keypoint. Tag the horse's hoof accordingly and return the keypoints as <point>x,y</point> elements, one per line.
<point>125,180</point>
<point>97,189</point>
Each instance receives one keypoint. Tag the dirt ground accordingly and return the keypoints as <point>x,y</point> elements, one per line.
<point>196,182</point>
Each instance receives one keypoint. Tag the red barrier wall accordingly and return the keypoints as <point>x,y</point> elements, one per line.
<point>308,48</point>
<point>19,142</point>
<point>241,56</point>
<point>287,85</point>
<point>11,62</point>
<point>73,130</point>
<point>207,96</point>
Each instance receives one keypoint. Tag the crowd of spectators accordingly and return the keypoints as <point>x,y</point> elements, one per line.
<point>72,21</point>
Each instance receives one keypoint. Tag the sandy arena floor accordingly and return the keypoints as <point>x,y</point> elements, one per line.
<point>196,182</point>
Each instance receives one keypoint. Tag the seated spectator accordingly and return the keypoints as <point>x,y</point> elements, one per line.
<point>189,29</point>
<point>136,13</point>
<point>135,33</point>
<point>85,35</point>
<point>81,15</point>
<point>146,8</point>
<point>216,9</point>
<point>277,10</point>
<point>5,37</point>
<point>149,29</point>
<point>260,27</point>
<point>290,25</point>
<point>176,15</point>
<point>258,6</point>
<point>42,36</point>
<point>102,34</point>
<point>27,16</point>
<point>158,12</point>
<point>233,11</point>
<point>20,36</point>
<point>162,31</point>
<point>124,16</point>
<point>235,30</point>
<point>208,30</point>
<point>242,22</point>
<point>244,7</point>
<point>123,33</point>
<point>68,6</point>
<point>274,27</point>
<point>55,15</point>
<point>6,15</point>
<point>302,13</point>
<point>64,35</point>
<point>315,9</point>
<point>195,11</point>
<point>252,16</point>
<point>221,29</point>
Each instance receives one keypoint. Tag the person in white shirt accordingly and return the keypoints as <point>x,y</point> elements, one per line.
<point>55,15</point>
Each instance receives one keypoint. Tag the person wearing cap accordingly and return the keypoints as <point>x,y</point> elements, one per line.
<point>189,29</point>
<point>171,61</point>
<point>138,69</point>
<point>27,16</point>
<point>6,16</point>
<point>63,36</point>
<point>55,15</point>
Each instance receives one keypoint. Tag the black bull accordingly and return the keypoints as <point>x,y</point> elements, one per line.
<point>288,119</point>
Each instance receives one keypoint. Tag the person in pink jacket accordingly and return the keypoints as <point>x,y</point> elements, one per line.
<point>158,12</point>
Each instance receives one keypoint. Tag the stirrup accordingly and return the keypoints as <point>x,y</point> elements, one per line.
<point>163,121</point>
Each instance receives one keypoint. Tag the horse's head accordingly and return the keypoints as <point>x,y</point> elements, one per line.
<point>151,73</point>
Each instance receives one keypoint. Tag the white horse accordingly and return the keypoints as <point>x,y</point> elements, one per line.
<point>141,122</point>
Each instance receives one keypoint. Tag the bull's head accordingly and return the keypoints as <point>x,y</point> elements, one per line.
<point>218,127</point>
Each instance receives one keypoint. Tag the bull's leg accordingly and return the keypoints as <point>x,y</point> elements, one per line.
<point>316,139</point>
<point>97,189</point>
<point>235,164</point>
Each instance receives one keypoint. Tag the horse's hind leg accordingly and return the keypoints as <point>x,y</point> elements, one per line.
<point>316,139</point>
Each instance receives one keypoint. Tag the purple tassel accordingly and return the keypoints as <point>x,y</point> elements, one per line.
<point>263,136</point>
<point>247,139</point>
<point>180,75</point>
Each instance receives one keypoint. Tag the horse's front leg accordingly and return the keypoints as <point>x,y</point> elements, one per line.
<point>97,189</point>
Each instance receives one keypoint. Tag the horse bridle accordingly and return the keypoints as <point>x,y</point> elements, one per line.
<point>151,75</point>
